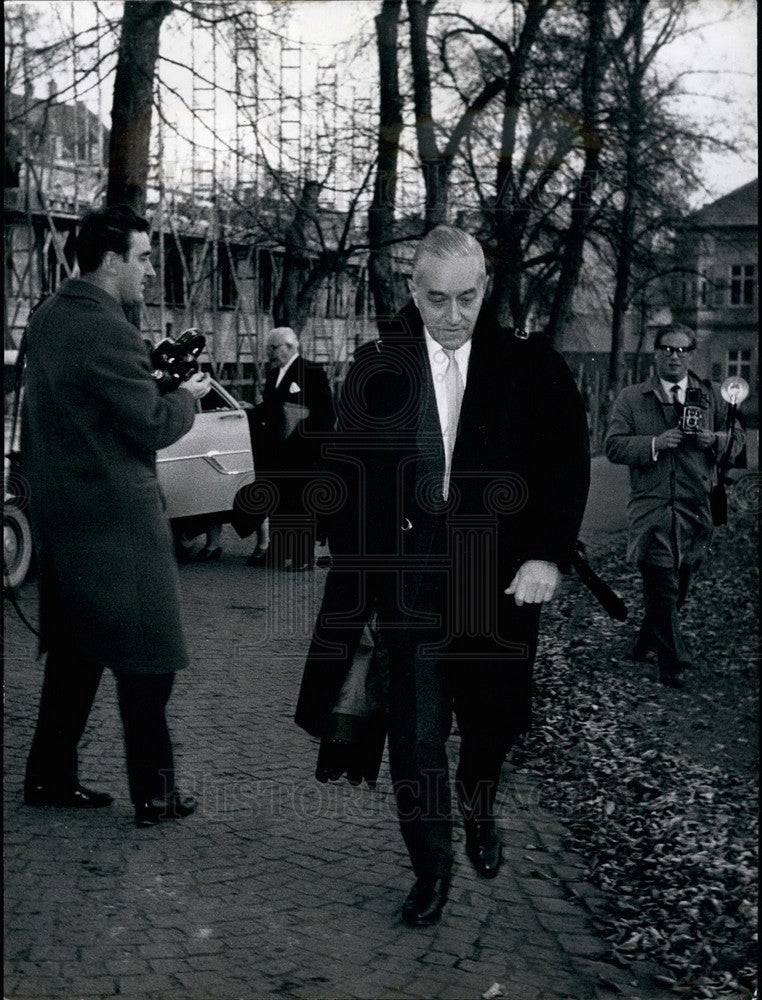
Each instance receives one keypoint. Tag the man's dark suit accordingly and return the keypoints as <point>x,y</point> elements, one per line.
<point>436,571</point>
<point>294,418</point>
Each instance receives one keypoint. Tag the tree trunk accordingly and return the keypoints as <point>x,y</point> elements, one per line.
<point>133,102</point>
<point>634,124</point>
<point>571,262</point>
<point>433,164</point>
<point>287,309</point>
<point>381,214</point>
<point>511,213</point>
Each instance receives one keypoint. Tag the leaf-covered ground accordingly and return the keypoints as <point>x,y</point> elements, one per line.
<point>658,787</point>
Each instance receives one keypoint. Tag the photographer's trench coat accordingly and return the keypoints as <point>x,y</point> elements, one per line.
<point>670,521</point>
<point>92,421</point>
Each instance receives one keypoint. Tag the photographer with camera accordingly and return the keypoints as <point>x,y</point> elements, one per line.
<point>670,430</point>
<point>93,418</point>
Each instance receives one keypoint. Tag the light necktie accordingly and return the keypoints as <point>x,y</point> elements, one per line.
<point>453,383</point>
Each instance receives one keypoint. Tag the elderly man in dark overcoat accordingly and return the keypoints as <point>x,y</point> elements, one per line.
<point>672,471</point>
<point>92,420</point>
<point>462,450</point>
<point>292,421</point>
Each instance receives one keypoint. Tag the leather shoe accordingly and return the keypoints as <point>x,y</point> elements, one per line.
<point>673,679</point>
<point>425,901</point>
<point>77,797</point>
<point>160,810</point>
<point>483,847</point>
<point>259,557</point>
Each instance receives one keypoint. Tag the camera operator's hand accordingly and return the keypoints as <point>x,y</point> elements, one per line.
<point>705,439</point>
<point>668,439</point>
<point>198,384</point>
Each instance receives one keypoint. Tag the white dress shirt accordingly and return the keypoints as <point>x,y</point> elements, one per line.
<point>438,363</point>
<point>282,371</point>
<point>667,387</point>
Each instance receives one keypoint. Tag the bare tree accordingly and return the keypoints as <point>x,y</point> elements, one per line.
<point>132,106</point>
<point>582,200</point>
<point>437,164</point>
<point>381,215</point>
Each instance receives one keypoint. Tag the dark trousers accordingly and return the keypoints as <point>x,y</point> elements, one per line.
<point>483,691</point>
<point>664,592</point>
<point>68,692</point>
<point>293,521</point>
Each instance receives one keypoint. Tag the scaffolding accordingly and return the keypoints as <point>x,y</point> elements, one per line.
<point>223,229</point>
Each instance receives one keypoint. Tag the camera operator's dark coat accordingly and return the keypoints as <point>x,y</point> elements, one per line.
<point>670,521</point>
<point>520,476</point>
<point>93,419</point>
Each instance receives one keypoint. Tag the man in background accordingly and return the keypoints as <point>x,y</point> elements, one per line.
<point>93,419</point>
<point>672,470</point>
<point>293,419</point>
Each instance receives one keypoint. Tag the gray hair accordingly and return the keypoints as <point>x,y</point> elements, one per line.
<point>447,241</point>
<point>279,331</point>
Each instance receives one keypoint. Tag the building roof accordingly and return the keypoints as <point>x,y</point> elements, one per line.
<point>51,116</point>
<point>739,208</point>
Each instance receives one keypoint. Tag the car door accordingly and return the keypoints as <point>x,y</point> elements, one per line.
<point>201,473</point>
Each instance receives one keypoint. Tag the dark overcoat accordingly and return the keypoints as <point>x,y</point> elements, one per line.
<point>288,442</point>
<point>520,476</point>
<point>92,421</point>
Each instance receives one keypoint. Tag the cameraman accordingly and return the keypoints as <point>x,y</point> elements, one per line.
<point>93,419</point>
<point>670,430</point>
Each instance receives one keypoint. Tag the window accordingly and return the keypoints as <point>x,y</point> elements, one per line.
<point>174,279</point>
<point>213,402</point>
<point>739,362</point>
<point>360,300</point>
<point>742,284</point>
<point>265,275</point>
<point>227,290</point>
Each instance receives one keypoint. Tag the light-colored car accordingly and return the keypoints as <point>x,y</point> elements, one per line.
<point>199,475</point>
<point>202,472</point>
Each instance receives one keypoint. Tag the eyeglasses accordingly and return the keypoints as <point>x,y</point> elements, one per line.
<point>669,351</point>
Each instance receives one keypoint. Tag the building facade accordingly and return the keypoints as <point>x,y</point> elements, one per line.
<point>716,293</point>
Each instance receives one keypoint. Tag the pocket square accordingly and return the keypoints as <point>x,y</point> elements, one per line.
<point>294,387</point>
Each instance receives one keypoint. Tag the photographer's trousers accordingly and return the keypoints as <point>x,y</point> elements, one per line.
<point>68,693</point>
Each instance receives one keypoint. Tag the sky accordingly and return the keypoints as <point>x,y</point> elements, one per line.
<point>720,61</point>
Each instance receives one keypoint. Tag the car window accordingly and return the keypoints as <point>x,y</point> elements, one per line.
<point>213,401</point>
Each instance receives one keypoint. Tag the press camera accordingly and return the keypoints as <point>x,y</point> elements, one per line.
<point>174,361</point>
<point>692,417</point>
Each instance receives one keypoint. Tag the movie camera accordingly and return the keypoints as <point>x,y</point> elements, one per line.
<point>174,361</point>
